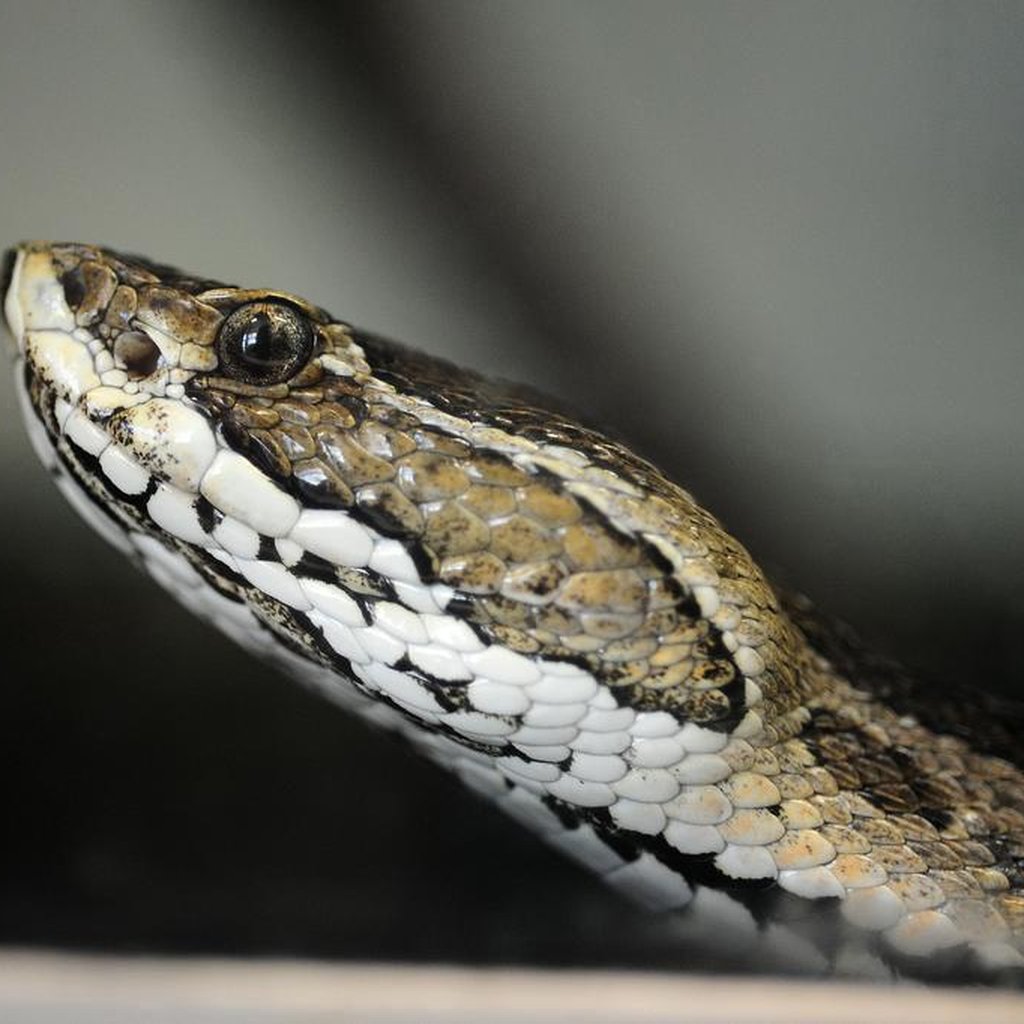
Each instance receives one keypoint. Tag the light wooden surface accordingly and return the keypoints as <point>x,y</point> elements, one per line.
<point>55,988</point>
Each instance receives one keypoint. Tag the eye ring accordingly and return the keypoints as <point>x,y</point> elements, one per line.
<point>264,343</point>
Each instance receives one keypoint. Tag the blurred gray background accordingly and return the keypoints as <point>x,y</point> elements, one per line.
<point>778,245</point>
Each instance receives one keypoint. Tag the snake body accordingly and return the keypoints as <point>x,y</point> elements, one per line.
<point>534,607</point>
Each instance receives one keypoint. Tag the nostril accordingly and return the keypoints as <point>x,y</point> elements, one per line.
<point>137,353</point>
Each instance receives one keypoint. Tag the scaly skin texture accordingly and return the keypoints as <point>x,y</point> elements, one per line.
<point>534,605</point>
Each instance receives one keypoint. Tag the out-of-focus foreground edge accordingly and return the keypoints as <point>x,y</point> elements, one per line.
<point>57,987</point>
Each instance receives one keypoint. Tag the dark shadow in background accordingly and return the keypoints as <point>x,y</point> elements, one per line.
<point>588,356</point>
<point>191,800</point>
<point>182,797</point>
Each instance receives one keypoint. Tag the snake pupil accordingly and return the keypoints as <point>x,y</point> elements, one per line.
<point>264,343</point>
<point>257,342</point>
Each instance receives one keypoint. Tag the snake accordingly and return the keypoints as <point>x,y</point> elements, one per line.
<point>533,606</point>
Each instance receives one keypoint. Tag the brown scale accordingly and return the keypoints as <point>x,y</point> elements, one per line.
<point>899,779</point>
<point>545,572</point>
<point>944,822</point>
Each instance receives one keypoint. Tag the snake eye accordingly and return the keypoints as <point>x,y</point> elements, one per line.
<point>264,343</point>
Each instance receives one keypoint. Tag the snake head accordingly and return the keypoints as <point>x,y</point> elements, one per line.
<point>267,443</point>
<point>132,365</point>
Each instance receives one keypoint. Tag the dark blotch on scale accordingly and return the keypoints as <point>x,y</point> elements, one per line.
<point>377,516</point>
<point>267,551</point>
<point>311,566</point>
<point>735,692</point>
<point>208,515</point>
<point>938,816</point>
<point>264,455</point>
<point>451,698</point>
<point>73,283</point>
<point>314,486</point>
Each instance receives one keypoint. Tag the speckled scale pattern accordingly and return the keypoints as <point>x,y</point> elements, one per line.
<point>543,571</point>
<point>537,609</point>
